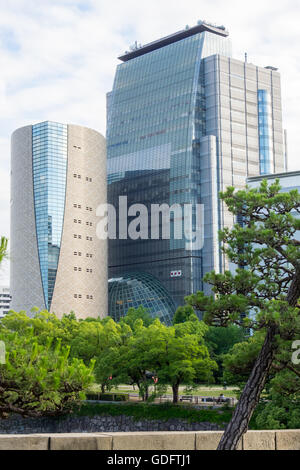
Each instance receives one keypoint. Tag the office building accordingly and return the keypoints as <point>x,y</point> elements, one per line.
<point>58,179</point>
<point>5,300</point>
<point>288,181</point>
<point>184,121</point>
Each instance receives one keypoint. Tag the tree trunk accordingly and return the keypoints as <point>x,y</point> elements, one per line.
<point>141,392</point>
<point>256,382</point>
<point>251,393</point>
<point>146,392</point>
<point>294,290</point>
<point>175,389</point>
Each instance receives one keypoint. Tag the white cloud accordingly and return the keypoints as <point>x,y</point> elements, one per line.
<point>58,57</point>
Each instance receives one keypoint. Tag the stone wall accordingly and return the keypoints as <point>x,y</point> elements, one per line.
<point>201,440</point>
<point>101,423</point>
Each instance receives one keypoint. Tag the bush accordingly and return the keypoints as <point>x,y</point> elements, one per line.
<point>39,380</point>
<point>278,413</point>
<point>107,396</point>
<point>162,411</point>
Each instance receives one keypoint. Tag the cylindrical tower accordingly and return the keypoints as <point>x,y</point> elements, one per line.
<point>58,178</point>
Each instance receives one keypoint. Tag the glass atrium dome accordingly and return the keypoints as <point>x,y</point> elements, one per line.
<point>133,289</point>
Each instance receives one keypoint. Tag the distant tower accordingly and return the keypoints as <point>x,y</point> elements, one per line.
<point>58,179</point>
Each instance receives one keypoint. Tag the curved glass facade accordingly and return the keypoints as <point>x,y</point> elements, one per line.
<point>138,288</point>
<point>156,117</point>
<point>266,153</point>
<point>49,157</point>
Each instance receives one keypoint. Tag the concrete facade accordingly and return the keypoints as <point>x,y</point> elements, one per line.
<point>25,277</point>
<point>86,157</point>
<point>81,272</point>
<point>232,117</point>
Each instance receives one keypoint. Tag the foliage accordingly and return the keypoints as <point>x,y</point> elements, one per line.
<point>174,355</point>
<point>139,313</point>
<point>264,290</point>
<point>184,313</point>
<point>280,405</point>
<point>43,325</point>
<point>266,253</point>
<point>38,379</point>
<point>278,412</point>
<point>3,248</point>
<point>239,361</point>
<point>163,411</point>
<point>219,341</point>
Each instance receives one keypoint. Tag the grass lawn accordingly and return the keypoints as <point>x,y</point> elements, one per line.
<point>204,391</point>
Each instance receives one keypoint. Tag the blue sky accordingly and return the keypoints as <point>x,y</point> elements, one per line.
<point>58,58</point>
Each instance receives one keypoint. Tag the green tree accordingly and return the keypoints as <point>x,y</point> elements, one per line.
<point>184,313</point>
<point>3,248</point>
<point>175,355</point>
<point>280,404</point>
<point>88,341</point>
<point>239,361</point>
<point>219,341</point>
<point>39,380</point>
<point>109,367</point>
<point>43,325</point>
<point>265,286</point>
<point>139,313</point>
<point>184,358</point>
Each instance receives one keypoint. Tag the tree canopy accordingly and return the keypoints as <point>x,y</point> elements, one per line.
<point>263,291</point>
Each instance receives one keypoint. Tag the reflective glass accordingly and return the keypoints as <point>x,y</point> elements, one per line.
<point>49,153</point>
<point>138,288</point>
<point>266,153</point>
<point>155,118</point>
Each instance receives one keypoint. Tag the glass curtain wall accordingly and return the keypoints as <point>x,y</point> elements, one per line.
<point>266,153</point>
<point>49,152</point>
<point>156,117</point>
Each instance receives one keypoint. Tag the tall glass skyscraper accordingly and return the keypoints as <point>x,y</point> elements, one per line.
<point>58,180</point>
<point>185,120</point>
